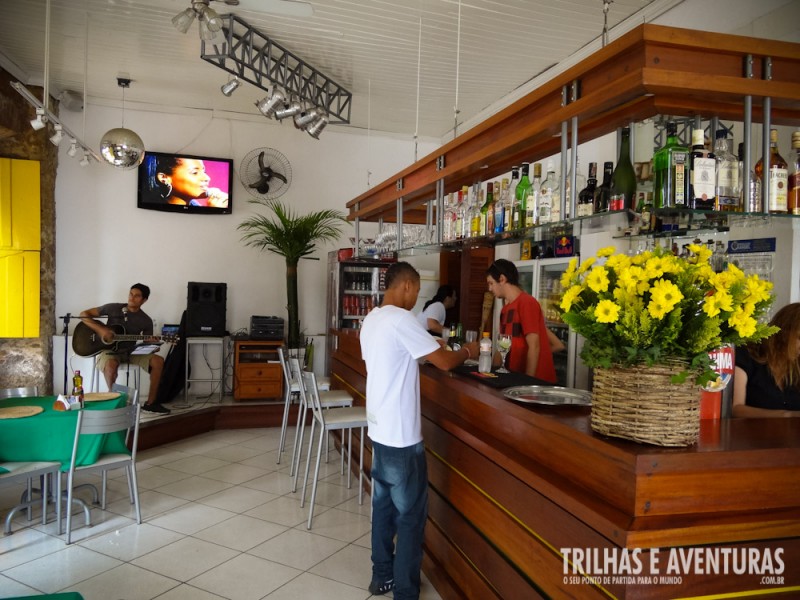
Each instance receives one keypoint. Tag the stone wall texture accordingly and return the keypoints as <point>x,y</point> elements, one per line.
<point>29,361</point>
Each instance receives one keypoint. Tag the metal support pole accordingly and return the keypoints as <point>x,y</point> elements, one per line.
<point>399,223</point>
<point>747,154</point>
<point>356,233</point>
<point>765,191</point>
<point>439,237</point>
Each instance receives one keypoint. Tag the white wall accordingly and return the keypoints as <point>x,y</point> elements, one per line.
<point>105,243</point>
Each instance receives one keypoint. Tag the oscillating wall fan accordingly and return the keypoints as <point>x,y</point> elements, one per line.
<point>266,173</point>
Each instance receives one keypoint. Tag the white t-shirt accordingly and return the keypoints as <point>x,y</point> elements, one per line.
<point>435,311</point>
<point>391,342</point>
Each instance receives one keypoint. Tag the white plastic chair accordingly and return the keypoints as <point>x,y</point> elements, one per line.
<point>328,399</point>
<point>331,419</point>
<point>104,422</point>
<point>131,392</point>
<point>291,389</point>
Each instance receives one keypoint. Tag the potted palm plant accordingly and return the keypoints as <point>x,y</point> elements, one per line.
<point>293,237</point>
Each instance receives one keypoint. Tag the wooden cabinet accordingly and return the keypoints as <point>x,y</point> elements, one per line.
<point>257,370</point>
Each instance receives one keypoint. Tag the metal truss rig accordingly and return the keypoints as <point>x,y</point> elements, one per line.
<point>253,57</point>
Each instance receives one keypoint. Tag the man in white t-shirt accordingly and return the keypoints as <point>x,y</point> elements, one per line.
<point>392,341</point>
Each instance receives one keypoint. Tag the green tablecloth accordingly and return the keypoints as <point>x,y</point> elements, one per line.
<point>49,435</point>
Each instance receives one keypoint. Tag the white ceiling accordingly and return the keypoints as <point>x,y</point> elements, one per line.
<point>370,47</point>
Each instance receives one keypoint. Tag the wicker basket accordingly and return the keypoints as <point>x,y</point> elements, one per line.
<point>643,405</point>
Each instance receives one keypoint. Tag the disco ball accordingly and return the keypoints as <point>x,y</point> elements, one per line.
<point>122,148</point>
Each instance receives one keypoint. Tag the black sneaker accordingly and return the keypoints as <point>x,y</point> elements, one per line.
<point>377,588</point>
<point>156,408</point>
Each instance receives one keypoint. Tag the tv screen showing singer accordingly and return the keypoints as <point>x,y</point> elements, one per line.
<point>185,183</point>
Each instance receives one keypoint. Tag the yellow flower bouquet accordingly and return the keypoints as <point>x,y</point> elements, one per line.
<point>656,308</point>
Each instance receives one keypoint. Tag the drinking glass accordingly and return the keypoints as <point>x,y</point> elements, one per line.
<point>503,346</point>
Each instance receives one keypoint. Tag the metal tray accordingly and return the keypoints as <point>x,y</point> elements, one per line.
<point>553,396</point>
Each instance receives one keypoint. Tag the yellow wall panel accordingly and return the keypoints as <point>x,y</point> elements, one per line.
<point>19,294</point>
<point>20,204</point>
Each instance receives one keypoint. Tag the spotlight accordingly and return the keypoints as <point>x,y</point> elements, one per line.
<point>85,160</point>
<point>268,104</point>
<point>305,118</point>
<point>73,148</point>
<point>57,136</point>
<point>40,120</point>
<point>289,110</point>
<point>230,87</point>
<point>183,20</point>
<point>317,126</point>
<point>209,23</point>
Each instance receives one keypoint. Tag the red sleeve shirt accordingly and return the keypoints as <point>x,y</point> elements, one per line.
<point>519,318</point>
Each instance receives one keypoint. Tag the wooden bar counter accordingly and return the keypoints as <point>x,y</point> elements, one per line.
<point>516,490</point>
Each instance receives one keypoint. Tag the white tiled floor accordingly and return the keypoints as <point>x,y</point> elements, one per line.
<point>219,521</point>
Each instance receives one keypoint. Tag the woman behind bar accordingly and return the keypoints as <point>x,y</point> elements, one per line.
<point>767,377</point>
<point>434,312</point>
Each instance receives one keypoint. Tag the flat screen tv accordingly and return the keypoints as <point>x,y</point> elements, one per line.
<point>185,183</point>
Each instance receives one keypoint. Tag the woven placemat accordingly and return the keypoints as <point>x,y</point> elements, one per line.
<point>17,412</point>
<point>98,396</point>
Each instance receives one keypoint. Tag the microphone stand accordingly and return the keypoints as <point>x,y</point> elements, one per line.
<point>65,333</point>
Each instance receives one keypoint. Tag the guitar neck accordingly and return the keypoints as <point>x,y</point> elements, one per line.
<point>135,338</point>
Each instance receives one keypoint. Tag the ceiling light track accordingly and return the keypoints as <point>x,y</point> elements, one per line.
<point>43,115</point>
<point>252,56</point>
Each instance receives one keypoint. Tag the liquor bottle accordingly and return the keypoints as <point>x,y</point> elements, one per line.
<point>518,211</point>
<point>669,170</point>
<point>750,197</point>
<point>500,208</point>
<point>645,210</point>
<point>485,355</point>
<point>77,386</point>
<point>793,199</point>
<point>778,177</point>
<point>460,208</point>
<point>487,212</point>
<point>532,203</point>
<point>623,181</point>
<point>465,219</point>
<point>586,195</point>
<point>580,184</point>
<point>512,186</point>
<point>718,258</point>
<point>702,174</point>
<point>549,197</point>
<point>727,184</point>
<point>602,195</point>
<point>449,226</point>
<point>475,211</point>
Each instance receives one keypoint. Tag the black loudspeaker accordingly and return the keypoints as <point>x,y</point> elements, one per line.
<point>205,309</point>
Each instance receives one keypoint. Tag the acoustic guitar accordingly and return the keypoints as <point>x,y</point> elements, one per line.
<point>87,342</point>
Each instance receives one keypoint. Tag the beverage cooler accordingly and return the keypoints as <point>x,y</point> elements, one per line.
<point>354,288</point>
<point>542,279</point>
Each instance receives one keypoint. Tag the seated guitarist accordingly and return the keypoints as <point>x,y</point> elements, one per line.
<point>136,322</point>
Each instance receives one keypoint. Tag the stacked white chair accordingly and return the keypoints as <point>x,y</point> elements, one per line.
<point>328,420</point>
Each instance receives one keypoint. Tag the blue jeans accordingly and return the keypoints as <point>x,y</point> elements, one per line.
<point>399,507</point>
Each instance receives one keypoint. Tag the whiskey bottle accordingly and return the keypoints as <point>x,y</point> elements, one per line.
<point>749,197</point>
<point>586,195</point>
<point>793,199</point>
<point>727,184</point>
<point>669,170</point>
<point>702,174</point>
<point>623,180</point>
<point>777,179</point>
